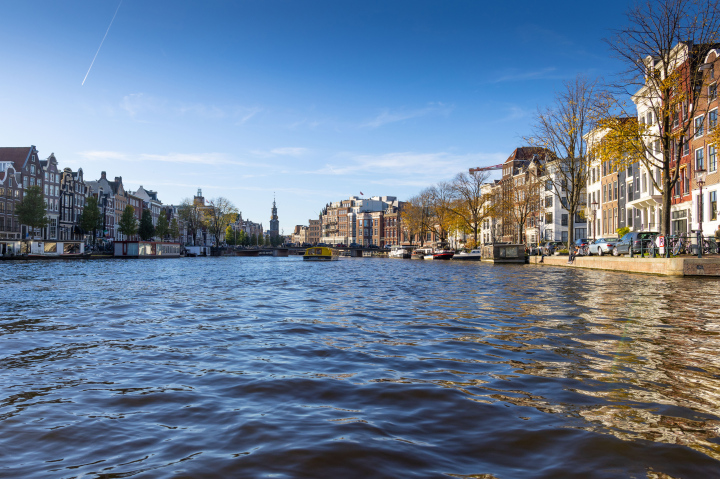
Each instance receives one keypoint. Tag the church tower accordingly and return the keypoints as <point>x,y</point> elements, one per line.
<point>274,222</point>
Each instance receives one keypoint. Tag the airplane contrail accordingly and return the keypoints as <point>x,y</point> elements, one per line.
<point>101,43</point>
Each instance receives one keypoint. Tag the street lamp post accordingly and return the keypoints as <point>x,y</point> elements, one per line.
<point>594,207</point>
<point>700,176</point>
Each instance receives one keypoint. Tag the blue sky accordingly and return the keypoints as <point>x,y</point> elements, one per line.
<point>312,101</point>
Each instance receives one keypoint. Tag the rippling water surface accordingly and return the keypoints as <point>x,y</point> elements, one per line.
<point>271,367</point>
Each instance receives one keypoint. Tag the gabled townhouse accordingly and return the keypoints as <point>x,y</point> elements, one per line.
<point>703,149</point>
<point>72,200</point>
<point>51,191</point>
<point>151,202</point>
<point>12,178</point>
<point>103,190</point>
<point>557,221</point>
<point>23,170</point>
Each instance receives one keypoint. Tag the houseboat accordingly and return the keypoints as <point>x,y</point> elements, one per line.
<point>321,253</point>
<point>34,249</point>
<point>146,249</point>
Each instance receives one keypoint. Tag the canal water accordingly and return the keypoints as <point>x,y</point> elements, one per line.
<point>361,368</point>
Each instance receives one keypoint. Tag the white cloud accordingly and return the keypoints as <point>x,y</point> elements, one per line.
<point>184,158</point>
<point>408,168</point>
<point>140,105</point>
<point>282,151</point>
<point>392,116</point>
<point>289,151</point>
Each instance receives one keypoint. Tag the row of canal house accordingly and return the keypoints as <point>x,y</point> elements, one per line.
<point>65,192</point>
<point>365,221</point>
<point>621,195</point>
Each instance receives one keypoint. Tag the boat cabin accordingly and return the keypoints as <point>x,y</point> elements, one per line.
<point>146,249</point>
<point>321,253</point>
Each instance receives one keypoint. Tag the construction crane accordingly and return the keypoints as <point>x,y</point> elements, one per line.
<point>487,168</point>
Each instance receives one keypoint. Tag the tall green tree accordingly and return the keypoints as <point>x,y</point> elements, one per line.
<point>146,229</point>
<point>31,211</point>
<point>218,215</point>
<point>162,227</point>
<point>174,229</point>
<point>91,219</point>
<point>128,224</point>
<point>191,213</point>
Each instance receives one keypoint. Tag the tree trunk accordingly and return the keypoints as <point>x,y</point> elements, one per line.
<point>665,212</point>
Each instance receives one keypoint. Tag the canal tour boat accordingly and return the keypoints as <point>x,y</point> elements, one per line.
<point>321,253</point>
<point>473,255</point>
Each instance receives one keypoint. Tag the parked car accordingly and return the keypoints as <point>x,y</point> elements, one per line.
<point>373,246</point>
<point>637,240</point>
<point>557,245</point>
<point>340,245</point>
<point>581,242</point>
<point>601,246</point>
<point>323,244</point>
<point>355,245</point>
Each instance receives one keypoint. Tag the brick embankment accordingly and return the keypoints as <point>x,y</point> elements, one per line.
<point>682,266</point>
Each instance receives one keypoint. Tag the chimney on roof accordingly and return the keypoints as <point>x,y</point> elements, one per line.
<point>103,176</point>
<point>118,179</point>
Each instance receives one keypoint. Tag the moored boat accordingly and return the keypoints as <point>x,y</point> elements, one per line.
<point>443,254</point>
<point>473,255</point>
<point>321,253</point>
<point>420,253</point>
<point>34,249</point>
<point>399,252</point>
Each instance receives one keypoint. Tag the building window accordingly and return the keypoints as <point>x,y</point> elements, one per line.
<point>604,193</point>
<point>615,191</point>
<point>712,158</point>
<point>548,218</point>
<point>699,160</point>
<point>712,120</point>
<point>712,91</point>
<point>564,220</point>
<point>548,201</point>
<point>615,219</point>
<point>686,147</point>
<point>564,236</point>
<point>713,205</point>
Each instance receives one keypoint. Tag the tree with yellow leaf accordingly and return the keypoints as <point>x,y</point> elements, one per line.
<point>470,204</point>
<point>561,130</point>
<point>663,47</point>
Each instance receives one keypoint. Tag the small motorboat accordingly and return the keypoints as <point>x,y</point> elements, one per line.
<point>398,252</point>
<point>443,254</point>
<point>420,253</point>
<point>473,255</point>
<point>321,253</point>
